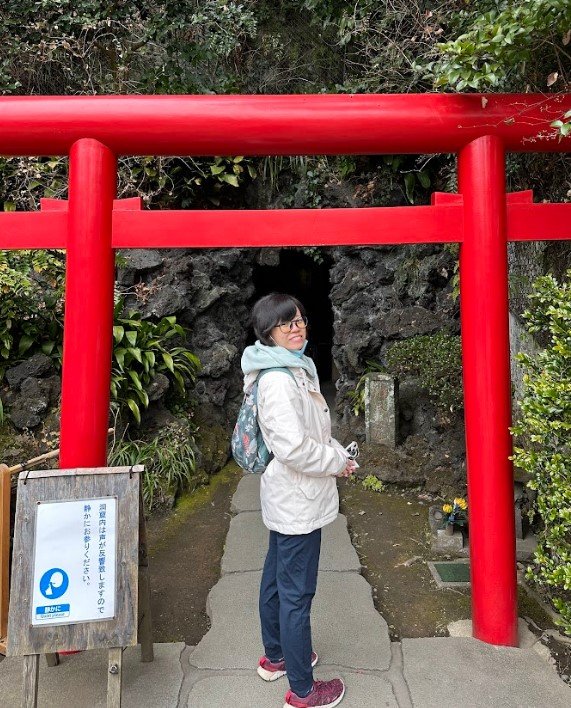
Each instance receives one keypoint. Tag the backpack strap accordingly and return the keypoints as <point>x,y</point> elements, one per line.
<point>259,376</point>
<point>274,368</point>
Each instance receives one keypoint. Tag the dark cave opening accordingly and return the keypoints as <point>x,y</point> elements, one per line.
<point>306,277</point>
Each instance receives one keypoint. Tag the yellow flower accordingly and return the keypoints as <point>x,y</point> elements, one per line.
<point>461,503</point>
<point>447,508</point>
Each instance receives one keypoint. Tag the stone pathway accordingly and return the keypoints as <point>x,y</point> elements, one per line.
<point>352,640</point>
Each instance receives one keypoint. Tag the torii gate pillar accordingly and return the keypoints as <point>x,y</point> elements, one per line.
<point>487,397</point>
<point>88,323</point>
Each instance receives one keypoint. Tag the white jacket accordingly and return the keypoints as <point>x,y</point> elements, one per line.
<point>298,490</point>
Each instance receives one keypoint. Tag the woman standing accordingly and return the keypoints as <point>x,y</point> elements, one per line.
<point>298,494</point>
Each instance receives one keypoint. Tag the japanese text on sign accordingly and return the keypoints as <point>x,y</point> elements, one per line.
<point>74,562</point>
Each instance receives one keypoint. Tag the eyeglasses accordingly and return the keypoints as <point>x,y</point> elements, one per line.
<point>300,323</point>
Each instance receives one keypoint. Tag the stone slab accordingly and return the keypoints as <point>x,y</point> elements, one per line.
<point>363,691</point>
<point>471,673</point>
<point>247,495</point>
<point>463,628</point>
<point>381,406</point>
<point>337,553</point>
<point>347,630</point>
<point>444,544</point>
<point>525,547</point>
<point>80,680</point>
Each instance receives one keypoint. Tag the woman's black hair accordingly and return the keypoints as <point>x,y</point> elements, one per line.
<point>270,311</point>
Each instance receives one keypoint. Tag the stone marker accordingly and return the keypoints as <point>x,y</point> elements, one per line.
<point>381,393</point>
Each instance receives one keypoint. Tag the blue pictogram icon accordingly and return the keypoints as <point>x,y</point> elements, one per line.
<point>54,583</point>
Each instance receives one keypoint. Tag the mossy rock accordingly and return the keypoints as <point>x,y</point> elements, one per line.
<point>213,447</point>
<point>16,448</point>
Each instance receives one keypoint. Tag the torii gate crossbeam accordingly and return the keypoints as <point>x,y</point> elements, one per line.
<point>482,218</point>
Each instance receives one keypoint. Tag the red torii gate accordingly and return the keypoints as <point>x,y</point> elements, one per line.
<point>482,218</point>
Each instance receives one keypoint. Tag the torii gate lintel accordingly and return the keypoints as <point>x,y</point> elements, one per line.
<point>135,227</point>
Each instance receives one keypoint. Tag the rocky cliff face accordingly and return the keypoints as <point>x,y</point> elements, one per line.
<point>376,296</point>
<point>368,298</point>
<point>381,295</point>
<point>209,292</point>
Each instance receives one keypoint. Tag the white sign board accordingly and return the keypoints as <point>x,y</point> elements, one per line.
<point>74,561</point>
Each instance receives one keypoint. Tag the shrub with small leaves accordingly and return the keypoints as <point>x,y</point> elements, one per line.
<point>436,360</point>
<point>374,484</point>
<point>543,447</point>
<point>31,306</point>
<point>499,42</point>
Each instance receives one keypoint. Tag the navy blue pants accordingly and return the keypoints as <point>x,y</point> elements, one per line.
<point>288,585</point>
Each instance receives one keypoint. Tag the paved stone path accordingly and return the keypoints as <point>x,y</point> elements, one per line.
<point>352,640</point>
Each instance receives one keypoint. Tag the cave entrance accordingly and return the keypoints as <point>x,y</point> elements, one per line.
<point>303,273</point>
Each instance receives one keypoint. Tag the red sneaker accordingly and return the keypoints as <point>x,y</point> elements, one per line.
<point>270,671</point>
<point>324,694</point>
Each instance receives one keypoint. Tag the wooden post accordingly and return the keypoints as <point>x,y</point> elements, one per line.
<point>114,678</point>
<point>5,491</point>
<point>145,625</point>
<point>30,692</point>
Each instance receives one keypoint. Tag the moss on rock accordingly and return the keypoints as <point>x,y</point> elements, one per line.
<point>213,447</point>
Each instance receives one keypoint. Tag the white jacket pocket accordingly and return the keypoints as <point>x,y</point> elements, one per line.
<point>310,487</point>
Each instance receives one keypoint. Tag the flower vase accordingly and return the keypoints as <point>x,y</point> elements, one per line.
<point>449,529</point>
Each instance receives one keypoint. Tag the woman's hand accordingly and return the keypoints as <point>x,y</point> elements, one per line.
<point>350,467</point>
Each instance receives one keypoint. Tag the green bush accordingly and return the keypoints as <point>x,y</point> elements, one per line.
<point>436,360</point>
<point>544,449</point>
<point>498,42</point>
<point>169,462</point>
<point>31,305</point>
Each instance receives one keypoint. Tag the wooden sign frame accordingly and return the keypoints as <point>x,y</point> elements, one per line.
<point>132,589</point>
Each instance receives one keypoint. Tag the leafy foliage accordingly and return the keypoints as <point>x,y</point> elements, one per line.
<point>169,459</point>
<point>357,395</point>
<point>413,177</point>
<point>381,41</point>
<point>94,46</point>
<point>142,350</point>
<point>544,449</point>
<point>498,41</point>
<point>31,313</point>
<point>25,181</point>
<point>374,484</point>
<point>436,360</point>
<point>564,125</point>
